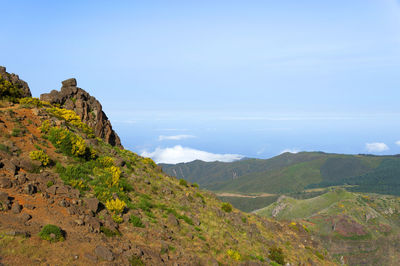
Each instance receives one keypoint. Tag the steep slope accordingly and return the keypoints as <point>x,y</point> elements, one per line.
<point>67,197</point>
<point>361,228</point>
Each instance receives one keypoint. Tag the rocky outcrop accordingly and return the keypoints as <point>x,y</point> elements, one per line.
<point>14,79</point>
<point>86,106</point>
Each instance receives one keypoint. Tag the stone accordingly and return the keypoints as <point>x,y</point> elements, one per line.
<point>17,233</point>
<point>21,178</point>
<point>25,217</point>
<point>10,167</point>
<point>90,257</point>
<point>30,189</point>
<point>104,253</point>
<point>93,223</point>
<point>119,162</point>
<point>52,190</point>
<point>29,207</point>
<point>3,197</point>
<point>62,190</point>
<point>16,208</point>
<point>79,222</point>
<point>63,203</point>
<point>109,222</point>
<point>69,83</point>
<point>5,182</point>
<point>172,220</point>
<point>92,204</point>
<point>87,107</point>
<point>25,164</point>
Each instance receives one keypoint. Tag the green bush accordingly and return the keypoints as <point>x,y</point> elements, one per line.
<point>136,221</point>
<point>16,132</point>
<point>226,207</point>
<point>76,176</point>
<point>108,232</point>
<point>183,182</point>
<point>195,185</point>
<point>5,148</point>
<point>51,233</point>
<point>276,254</point>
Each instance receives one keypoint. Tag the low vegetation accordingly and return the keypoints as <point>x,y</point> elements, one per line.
<point>51,233</point>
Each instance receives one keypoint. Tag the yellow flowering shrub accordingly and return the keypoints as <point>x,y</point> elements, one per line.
<point>116,206</point>
<point>78,146</point>
<point>72,118</point>
<point>45,126</point>
<point>233,254</point>
<point>115,175</point>
<point>149,161</point>
<point>118,219</point>
<point>40,156</point>
<point>106,161</point>
<point>33,101</point>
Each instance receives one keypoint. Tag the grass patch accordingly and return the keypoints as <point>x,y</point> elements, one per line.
<point>136,221</point>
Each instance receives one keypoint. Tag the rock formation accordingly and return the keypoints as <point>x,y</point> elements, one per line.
<point>86,106</point>
<point>14,79</point>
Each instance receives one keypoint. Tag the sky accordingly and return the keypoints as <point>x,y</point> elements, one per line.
<point>220,80</point>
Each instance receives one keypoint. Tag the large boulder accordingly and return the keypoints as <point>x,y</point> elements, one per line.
<point>15,80</point>
<point>87,108</point>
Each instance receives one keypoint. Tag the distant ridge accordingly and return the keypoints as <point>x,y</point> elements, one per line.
<point>289,172</point>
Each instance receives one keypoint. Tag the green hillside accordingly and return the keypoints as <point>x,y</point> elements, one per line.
<point>208,174</point>
<point>362,228</point>
<point>291,173</point>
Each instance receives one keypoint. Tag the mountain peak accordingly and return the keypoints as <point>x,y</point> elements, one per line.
<point>87,107</point>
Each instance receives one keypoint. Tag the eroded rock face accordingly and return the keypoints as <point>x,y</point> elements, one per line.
<point>86,106</point>
<point>14,79</point>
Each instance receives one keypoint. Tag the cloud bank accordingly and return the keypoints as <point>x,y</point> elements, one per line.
<point>179,154</point>
<point>376,147</point>
<point>398,143</point>
<point>175,137</point>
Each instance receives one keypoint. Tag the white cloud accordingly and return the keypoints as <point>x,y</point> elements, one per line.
<point>179,154</point>
<point>376,147</point>
<point>289,150</point>
<point>175,137</point>
<point>398,143</point>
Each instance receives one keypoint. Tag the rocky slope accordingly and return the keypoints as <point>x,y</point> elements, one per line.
<point>86,107</point>
<point>69,198</point>
<point>358,229</point>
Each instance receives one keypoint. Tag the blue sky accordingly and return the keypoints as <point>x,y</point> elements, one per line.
<point>226,78</point>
